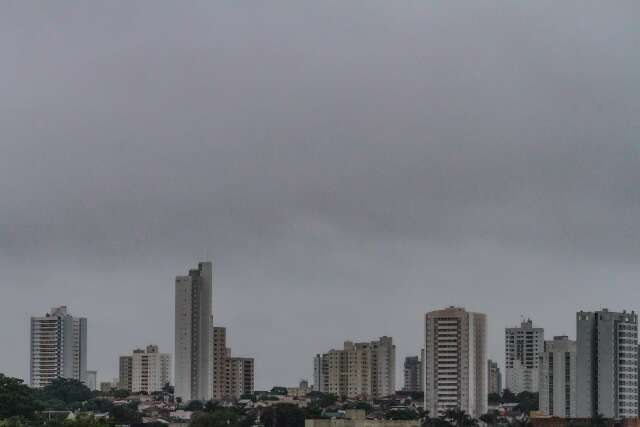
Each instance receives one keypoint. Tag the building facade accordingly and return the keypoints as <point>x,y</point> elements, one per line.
<point>92,380</point>
<point>58,347</point>
<point>455,361</point>
<point>232,376</point>
<point>523,346</point>
<point>557,370</point>
<point>125,373</point>
<point>607,364</point>
<point>412,374</point>
<point>494,377</point>
<point>365,369</point>
<point>193,334</point>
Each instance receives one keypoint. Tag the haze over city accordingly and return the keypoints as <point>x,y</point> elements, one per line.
<point>346,166</point>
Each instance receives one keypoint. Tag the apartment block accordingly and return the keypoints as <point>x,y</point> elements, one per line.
<point>558,378</point>
<point>607,364</point>
<point>58,347</point>
<point>412,374</point>
<point>125,373</point>
<point>455,361</point>
<point>523,346</point>
<point>193,334</point>
<point>232,376</point>
<point>365,369</point>
<point>495,377</point>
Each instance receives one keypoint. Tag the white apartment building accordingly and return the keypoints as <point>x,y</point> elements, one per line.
<point>193,334</point>
<point>364,369</point>
<point>558,378</point>
<point>455,361</point>
<point>92,380</point>
<point>58,347</point>
<point>523,346</point>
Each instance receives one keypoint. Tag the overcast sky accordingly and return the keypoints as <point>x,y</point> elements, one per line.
<point>346,165</point>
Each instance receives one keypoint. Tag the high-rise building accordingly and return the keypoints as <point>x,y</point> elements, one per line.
<point>92,380</point>
<point>523,346</point>
<point>320,373</point>
<point>232,376</point>
<point>558,378</point>
<point>607,364</point>
<point>495,377</point>
<point>125,373</point>
<point>364,369</point>
<point>150,370</point>
<point>58,347</point>
<point>455,361</point>
<point>193,333</point>
<point>412,374</point>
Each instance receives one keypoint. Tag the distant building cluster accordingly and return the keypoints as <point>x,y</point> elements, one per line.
<point>595,374</point>
<point>365,369</point>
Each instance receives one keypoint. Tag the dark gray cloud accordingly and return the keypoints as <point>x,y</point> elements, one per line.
<point>347,166</point>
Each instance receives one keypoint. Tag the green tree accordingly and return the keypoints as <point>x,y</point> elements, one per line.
<point>598,421</point>
<point>401,414</point>
<point>120,393</point>
<point>279,391</point>
<point>67,390</point>
<point>489,418</point>
<point>459,418</point>
<point>194,405</point>
<point>221,417</point>
<point>125,414</point>
<point>494,398</point>
<point>508,396</point>
<point>283,415</point>
<point>16,399</point>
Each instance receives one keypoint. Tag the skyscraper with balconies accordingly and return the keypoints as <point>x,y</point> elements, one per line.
<point>558,378</point>
<point>455,361</point>
<point>58,347</point>
<point>607,364</point>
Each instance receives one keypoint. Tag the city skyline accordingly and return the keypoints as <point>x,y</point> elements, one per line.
<point>347,166</point>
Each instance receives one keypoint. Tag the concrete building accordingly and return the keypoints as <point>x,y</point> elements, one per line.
<point>495,377</point>
<point>607,364</point>
<point>232,376</point>
<point>364,369</point>
<point>523,346</point>
<point>557,370</point>
<point>125,373</point>
<point>193,334</point>
<point>58,347</point>
<point>455,361</point>
<point>92,380</point>
<point>412,374</point>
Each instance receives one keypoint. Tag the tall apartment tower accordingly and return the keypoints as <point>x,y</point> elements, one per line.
<point>58,347</point>
<point>365,369</point>
<point>232,376</point>
<point>607,364</point>
<point>193,332</point>
<point>523,346</point>
<point>455,361</point>
<point>558,378</point>
<point>412,374</point>
<point>125,372</point>
<point>495,377</point>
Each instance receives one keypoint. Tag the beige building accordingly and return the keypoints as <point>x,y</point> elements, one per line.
<point>145,370</point>
<point>455,361</point>
<point>364,369</point>
<point>558,378</point>
<point>232,376</point>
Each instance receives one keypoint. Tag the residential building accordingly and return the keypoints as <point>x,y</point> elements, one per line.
<point>455,361</point>
<point>558,378</point>
<point>232,376</point>
<point>495,377</point>
<point>607,364</point>
<point>412,374</point>
<point>523,346</point>
<point>357,418</point>
<point>125,373</point>
<point>58,347</point>
<point>193,334</point>
<point>365,369</point>
<point>92,380</point>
